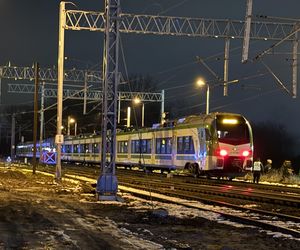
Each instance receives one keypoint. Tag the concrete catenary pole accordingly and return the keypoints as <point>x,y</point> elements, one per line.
<point>42,121</point>
<point>60,78</point>
<point>12,138</point>
<point>35,115</point>
<point>162,109</point>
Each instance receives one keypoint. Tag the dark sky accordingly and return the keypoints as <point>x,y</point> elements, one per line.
<point>29,32</point>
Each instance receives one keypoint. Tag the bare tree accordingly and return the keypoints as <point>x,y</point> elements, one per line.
<point>273,141</point>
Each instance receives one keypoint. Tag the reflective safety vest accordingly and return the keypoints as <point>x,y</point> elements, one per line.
<point>257,166</point>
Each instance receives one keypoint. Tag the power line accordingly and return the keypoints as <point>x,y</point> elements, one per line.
<point>173,7</point>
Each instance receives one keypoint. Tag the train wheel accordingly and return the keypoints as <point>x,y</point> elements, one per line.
<point>187,165</point>
<point>195,170</point>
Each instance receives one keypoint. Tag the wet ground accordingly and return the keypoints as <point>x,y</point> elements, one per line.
<point>37,213</point>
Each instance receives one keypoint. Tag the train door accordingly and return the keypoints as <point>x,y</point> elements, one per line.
<point>208,148</point>
<point>202,153</point>
<point>129,148</point>
<point>174,148</point>
<point>153,148</point>
<point>204,145</point>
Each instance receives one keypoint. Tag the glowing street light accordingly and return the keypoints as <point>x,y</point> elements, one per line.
<point>201,83</point>
<point>71,121</point>
<point>128,117</point>
<point>137,101</point>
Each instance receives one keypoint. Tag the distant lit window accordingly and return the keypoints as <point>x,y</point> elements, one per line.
<point>75,148</point>
<point>81,148</point>
<point>86,148</point>
<point>95,148</point>
<point>67,149</point>
<point>122,147</point>
<point>163,145</point>
<point>141,146</point>
<point>185,145</point>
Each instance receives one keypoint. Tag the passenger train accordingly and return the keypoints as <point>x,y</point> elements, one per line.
<point>217,144</point>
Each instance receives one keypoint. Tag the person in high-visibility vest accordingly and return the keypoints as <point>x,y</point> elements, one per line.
<point>257,169</point>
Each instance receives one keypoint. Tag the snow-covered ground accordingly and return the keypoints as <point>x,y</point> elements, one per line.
<point>37,213</point>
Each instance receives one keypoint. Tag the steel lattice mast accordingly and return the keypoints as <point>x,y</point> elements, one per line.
<point>180,26</point>
<point>90,95</point>
<point>50,74</point>
<point>196,27</point>
<point>107,185</point>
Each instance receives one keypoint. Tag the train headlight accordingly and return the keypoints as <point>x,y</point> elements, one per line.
<point>246,153</point>
<point>223,152</point>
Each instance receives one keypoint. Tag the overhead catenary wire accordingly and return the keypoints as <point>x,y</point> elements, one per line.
<point>135,116</point>
<point>173,6</point>
<point>276,78</point>
<point>234,102</point>
<point>194,62</point>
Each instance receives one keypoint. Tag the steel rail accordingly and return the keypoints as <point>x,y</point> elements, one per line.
<point>259,222</point>
<point>224,191</point>
<point>203,181</point>
<point>165,195</point>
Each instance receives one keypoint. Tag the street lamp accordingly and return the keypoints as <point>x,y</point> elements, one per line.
<point>137,101</point>
<point>128,117</point>
<point>70,121</point>
<point>201,83</point>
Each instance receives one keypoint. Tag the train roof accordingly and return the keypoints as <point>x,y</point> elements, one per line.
<point>192,120</point>
<point>201,119</point>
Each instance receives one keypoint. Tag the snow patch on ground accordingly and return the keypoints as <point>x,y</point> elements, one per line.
<point>179,211</point>
<point>110,227</point>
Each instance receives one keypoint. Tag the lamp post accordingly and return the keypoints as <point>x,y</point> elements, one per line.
<point>136,101</point>
<point>128,117</point>
<point>201,82</point>
<point>70,121</point>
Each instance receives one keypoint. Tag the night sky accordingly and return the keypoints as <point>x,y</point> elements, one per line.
<point>29,32</point>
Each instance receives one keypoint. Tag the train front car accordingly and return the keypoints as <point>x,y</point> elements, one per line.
<point>232,146</point>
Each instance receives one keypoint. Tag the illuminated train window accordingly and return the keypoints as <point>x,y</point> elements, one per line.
<point>185,145</point>
<point>164,145</point>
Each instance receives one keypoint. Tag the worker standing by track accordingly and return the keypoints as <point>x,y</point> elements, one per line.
<point>257,169</point>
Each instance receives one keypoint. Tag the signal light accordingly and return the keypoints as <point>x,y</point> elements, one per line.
<point>223,152</point>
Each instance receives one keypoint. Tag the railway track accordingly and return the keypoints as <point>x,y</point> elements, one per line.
<point>274,222</point>
<point>216,182</point>
<point>250,194</point>
<point>242,191</point>
<point>190,193</point>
